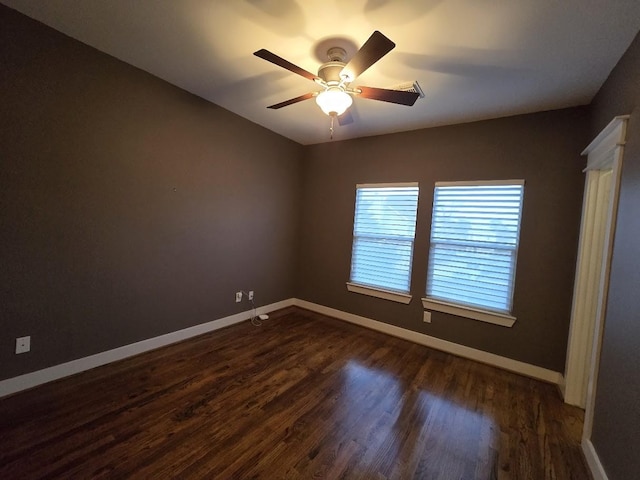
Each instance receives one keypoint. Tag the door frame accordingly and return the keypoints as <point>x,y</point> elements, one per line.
<point>604,154</point>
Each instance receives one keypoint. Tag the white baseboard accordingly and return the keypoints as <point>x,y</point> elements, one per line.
<point>597,470</point>
<point>30,380</point>
<point>562,386</point>
<point>33,379</point>
<point>505,363</point>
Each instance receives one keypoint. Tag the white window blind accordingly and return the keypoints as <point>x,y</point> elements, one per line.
<point>383,233</point>
<point>474,243</point>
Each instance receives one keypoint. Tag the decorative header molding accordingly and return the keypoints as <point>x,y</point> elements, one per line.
<point>602,149</point>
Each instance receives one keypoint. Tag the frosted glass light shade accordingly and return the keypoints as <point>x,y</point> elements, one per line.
<point>334,101</point>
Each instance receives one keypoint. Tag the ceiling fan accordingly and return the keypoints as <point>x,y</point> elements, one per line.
<point>335,77</point>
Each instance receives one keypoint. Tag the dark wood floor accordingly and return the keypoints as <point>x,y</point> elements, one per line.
<point>304,397</point>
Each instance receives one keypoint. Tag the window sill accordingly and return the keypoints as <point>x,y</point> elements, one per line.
<point>379,293</point>
<point>503,320</point>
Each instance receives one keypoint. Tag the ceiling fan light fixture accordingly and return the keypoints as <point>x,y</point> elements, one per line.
<point>334,101</point>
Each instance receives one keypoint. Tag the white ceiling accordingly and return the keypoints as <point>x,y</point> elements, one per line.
<point>475,59</point>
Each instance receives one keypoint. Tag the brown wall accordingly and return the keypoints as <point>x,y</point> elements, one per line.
<point>617,413</point>
<point>544,149</point>
<point>128,207</point>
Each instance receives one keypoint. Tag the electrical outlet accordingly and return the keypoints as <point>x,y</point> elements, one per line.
<point>238,297</point>
<point>23,344</point>
<point>426,317</point>
<point>250,294</point>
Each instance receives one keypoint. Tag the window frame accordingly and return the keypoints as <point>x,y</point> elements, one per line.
<point>506,319</point>
<point>378,291</point>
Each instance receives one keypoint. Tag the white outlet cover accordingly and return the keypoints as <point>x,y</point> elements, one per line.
<point>23,344</point>
<point>426,317</point>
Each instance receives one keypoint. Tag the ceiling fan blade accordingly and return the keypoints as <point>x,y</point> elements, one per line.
<point>376,47</point>
<point>345,119</point>
<point>392,96</point>
<point>291,101</point>
<point>281,62</point>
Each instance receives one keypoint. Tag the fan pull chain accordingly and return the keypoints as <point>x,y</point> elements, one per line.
<point>331,128</point>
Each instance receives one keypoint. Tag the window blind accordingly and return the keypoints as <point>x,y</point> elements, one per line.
<point>474,242</point>
<point>383,234</point>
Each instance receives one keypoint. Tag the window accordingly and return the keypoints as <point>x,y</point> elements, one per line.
<point>474,245</point>
<point>383,232</point>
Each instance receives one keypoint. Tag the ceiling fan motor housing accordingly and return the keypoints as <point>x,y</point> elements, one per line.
<point>330,72</point>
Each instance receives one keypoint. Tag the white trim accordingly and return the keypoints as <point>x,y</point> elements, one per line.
<point>612,134</point>
<point>592,268</point>
<point>480,183</point>
<point>598,330</point>
<point>593,461</point>
<point>33,379</point>
<point>379,292</point>
<point>587,284</point>
<point>505,363</point>
<point>501,319</point>
<point>562,386</point>
<point>386,185</point>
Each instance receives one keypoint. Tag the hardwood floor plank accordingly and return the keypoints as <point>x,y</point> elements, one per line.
<point>304,396</point>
